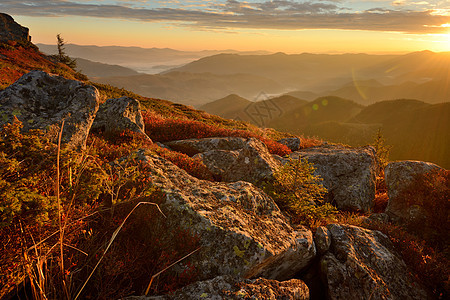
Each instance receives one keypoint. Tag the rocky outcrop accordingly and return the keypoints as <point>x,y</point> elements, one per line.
<point>12,31</point>
<point>42,101</point>
<point>227,287</point>
<point>362,264</point>
<point>252,162</point>
<point>241,230</point>
<point>348,174</point>
<point>399,177</point>
<point>195,146</point>
<point>419,198</point>
<point>291,143</point>
<point>120,114</point>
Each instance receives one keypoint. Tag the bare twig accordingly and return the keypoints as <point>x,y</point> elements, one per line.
<point>165,269</point>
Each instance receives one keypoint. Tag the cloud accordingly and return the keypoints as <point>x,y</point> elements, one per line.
<point>233,14</point>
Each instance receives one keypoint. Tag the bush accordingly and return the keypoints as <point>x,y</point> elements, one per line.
<point>428,265</point>
<point>170,129</point>
<point>298,191</point>
<point>431,193</point>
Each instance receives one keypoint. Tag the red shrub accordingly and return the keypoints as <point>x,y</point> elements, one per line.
<point>428,265</point>
<point>170,129</point>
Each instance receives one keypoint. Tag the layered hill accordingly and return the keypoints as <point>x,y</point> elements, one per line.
<point>194,88</point>
<point>238,108</point>
<point>94,69</point>
<point>145,60</point>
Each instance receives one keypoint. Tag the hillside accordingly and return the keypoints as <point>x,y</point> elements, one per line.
<point>94,69</point>
<point>415,129</point>
<point>194,88</point>
<point>323,109</point>
<point>228,107</point>
<point>238,108</point>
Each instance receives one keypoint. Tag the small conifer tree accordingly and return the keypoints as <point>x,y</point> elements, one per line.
<point>62,56</point>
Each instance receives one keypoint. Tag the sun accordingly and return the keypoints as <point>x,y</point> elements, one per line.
<point>447,42</point>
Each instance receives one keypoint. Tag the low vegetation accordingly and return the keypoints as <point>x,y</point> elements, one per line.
<point>298,191</point>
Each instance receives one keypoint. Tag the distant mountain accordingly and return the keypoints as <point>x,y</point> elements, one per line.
<point>323,109</point>
<point>256,112</point>
<point>229,107</point>
<point>95,69</point>
<point>303,95</point>
<point>194,89</point>
<point>418,67</point>
<point>431,92</point>
<point>296,71</point>
<point>416,130</point>
<point>363,78</point>
<point>146,60</point>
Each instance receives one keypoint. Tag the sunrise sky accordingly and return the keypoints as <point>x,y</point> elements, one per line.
<point>375,26</point>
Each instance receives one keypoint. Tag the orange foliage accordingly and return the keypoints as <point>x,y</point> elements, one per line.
<point>170,129</point>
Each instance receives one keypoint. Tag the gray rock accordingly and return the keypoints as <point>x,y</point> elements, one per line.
<point>252,163</point>
<point>42,101</point>
<point>120,114</point>
<point>377,217</point>
<point>194,146</point>
<point>291,143</point>
<point>419,199</point>
<point>348,174</point>
<point>322,239</point>
<point>227,287</point>
<point>12,31</point>
<point>399,176</point>
<point>362,264</point>
<point>241,230</point>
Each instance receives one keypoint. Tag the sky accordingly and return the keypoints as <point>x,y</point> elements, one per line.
<point>325,26</point>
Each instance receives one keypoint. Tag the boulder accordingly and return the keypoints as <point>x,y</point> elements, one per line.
<point>42,101</point>
<point>241,230</point>
<point>118,115</point>
<point>419,198</point>
<point>227,287</point>
<point>348,174</point>
<point>12,31</point>
<point>399,176</point>
<point>194,146</point>
<point>322,239</point>
<point>252,163</point>
<point>362,264</point>
<point>292,143</point>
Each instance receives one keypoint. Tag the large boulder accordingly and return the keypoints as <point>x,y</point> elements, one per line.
<point>399,176</point>
<point>241,230</point>
<point>12,31</point>
<point>118,115</point>
<point>42,101</point>
<point>348,174</point>
<point>252,162</point>
<point>418,197</point>
<point>194,146</point>
<point>362,264</point>
<point>227,287</point>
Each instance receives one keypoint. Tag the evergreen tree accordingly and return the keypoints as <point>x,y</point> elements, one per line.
<point>62,56</point>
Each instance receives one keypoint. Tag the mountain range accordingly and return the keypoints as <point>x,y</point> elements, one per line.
<point>144,60</point>
<point>362,78</point>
